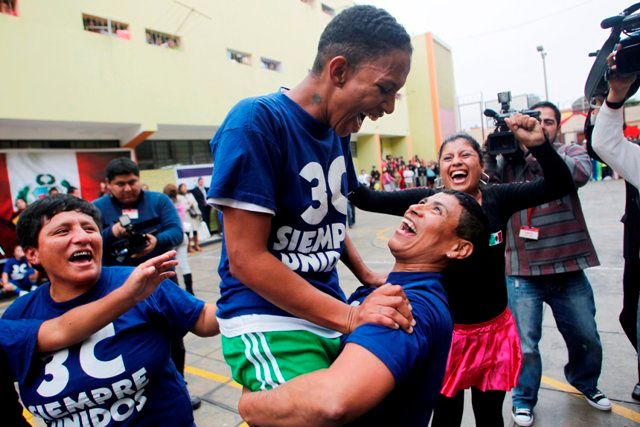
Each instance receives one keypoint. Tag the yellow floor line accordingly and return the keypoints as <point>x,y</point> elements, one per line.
<point>625,412</point>
<point>212,376</point>
<point>558,385</point>
<point>380,234</point>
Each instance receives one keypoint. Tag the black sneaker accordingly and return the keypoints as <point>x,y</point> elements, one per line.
<point>195,402</point>
<point>523,417</point>
<point>635,394</point>
<point>598,400</point>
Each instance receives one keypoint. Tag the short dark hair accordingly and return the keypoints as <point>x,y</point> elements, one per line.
<point>36,214</point>
<point>71,189</point>
<point>547,104</point>
<point>360,33</point>
<point>470,140</point>
<point>121,166</point>
<point>473,224</point>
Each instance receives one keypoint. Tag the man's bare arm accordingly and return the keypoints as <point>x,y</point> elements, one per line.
<point>81,322</point>
<point>246,236</point>
<point>355,383</point>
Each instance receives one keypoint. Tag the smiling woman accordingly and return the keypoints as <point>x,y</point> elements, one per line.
<point>122,372</point>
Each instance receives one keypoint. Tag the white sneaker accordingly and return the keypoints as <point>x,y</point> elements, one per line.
<point>599,401</point>
<point>523,417</point>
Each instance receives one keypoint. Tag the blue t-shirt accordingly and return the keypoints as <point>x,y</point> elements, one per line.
<point>19,338</point>
<point>417,361</point>
<point>122,374</point>
<point>271,156</point>
<point>19,271</point>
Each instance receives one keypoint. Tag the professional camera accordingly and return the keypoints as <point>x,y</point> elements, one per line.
<point>627,58</point>
<point>133,243</point>
<point>502,140</point>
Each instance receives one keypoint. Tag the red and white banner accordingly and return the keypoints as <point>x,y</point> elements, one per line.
<point>30,174</point>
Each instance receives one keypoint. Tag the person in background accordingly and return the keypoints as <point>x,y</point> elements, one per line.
<point>375,178</point>
<point>364,178</point>
<point>193,217</point>
<point>150,213</point>
<point>103,189</point>
<point>409,177</point>
<point>53,191</point>
<point>181,250</point>
<point>200,194</point>
<point>74,191</point>
<point>21,205</point>
<point>18,277</point>
<point>388,181</point>
<point>548,247</point>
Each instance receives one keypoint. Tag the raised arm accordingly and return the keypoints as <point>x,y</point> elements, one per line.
<point>608,139</point>
<point>557,181</point>
<point>388,202</point>
<point>355,383</point>
<point>81,322</point>
<point>246,236</point>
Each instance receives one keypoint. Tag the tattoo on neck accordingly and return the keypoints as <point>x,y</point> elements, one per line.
<point>316,99</point>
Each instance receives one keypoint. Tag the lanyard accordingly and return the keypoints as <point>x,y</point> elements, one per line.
<point>529,214</point>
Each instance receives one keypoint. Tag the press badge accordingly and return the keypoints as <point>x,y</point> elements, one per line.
<point>131,213</point>
<point>531,233</point>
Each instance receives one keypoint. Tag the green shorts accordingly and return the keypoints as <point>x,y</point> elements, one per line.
<point>264,360</point>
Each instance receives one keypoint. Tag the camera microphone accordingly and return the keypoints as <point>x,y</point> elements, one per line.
<point>490,113</point>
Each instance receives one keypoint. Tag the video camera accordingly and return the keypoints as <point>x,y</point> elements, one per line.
<point>502,140</point>
<point>133,243</point>
<point>627,58</point>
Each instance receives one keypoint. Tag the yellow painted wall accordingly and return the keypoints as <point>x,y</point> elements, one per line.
<point>422,86</point>
<point>446,89</point>
<point>156,179</point>
<point>419,100</point>
<point>368,153</point>
<point>60,72</point>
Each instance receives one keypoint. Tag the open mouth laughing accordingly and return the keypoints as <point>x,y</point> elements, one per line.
<point>81,257</point>
<point>458,176</point>
<point>407,227</point>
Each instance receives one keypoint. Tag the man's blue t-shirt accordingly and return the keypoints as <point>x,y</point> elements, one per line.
<point>19,271</point>
<point>122,374</point>
<point>417,361</point>
<point>271,156</point>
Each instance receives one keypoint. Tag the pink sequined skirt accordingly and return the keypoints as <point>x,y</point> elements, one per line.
<point>486,356</point>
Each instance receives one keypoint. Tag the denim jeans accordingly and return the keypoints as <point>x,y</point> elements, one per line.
<point>571,300</point>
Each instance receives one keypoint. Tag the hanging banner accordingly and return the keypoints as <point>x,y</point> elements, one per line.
<point>31,174</point>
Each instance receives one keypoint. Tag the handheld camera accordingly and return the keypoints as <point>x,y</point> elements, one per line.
<point>627,58</point>
<point>133,243</point>
<point>502,140</point>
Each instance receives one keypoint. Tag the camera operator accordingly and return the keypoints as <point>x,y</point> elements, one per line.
<point>151,214</point>
<point>547,249</point>
<point>609,143</point>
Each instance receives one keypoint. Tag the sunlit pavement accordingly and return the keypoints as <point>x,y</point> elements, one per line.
<point>603,204</point>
